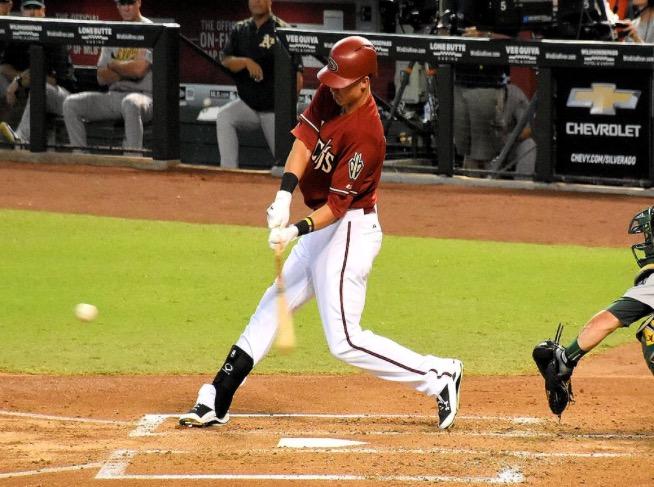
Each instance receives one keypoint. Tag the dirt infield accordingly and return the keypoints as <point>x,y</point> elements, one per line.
<point>61,431</point>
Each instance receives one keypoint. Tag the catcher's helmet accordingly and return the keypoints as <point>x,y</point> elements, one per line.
<point>350,59</point>
<point>642,223</point>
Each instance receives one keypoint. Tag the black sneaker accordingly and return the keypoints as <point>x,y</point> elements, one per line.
<point>201,415</point>
<point>448,400</point>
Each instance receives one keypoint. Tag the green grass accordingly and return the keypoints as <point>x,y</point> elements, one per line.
<point>173,297</point>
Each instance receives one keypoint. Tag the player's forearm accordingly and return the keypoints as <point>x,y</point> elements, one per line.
<point>107,76</point>
<point>297,159</point>
<point>8,71</point>
<point>130,69</point>
<point>597,329</point>
<point>322,217</point>
<point>235,63</point>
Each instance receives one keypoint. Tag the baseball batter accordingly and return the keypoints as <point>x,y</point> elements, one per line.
<point>556,363</point>
<point>337,160</point>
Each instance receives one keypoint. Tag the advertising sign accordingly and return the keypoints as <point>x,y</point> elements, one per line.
<point>602,124</point>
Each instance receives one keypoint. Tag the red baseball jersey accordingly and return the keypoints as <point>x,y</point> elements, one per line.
<point>347,154</point>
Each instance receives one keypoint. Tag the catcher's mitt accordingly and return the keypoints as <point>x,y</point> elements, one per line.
<point>556,370</point>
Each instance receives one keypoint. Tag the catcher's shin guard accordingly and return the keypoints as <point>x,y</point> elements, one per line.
<point>645,335</point>
<point>555,368</point>
<point>237,366</point>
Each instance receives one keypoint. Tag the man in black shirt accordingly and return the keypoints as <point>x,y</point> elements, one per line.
<point>16,62</point>
<point>5,9</point>
<point>249,56</point>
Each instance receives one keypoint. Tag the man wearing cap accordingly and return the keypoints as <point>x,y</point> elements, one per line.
<point>5,7</point>
<point>15,64</point>
<point>336,160</point>
<point>249,55</point>
<point>128,74</point>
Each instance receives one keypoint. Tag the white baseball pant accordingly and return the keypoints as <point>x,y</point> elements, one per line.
<point>238,115</point>
<point>92,106</point>
<point>54,101</point>
<point>333,264</point>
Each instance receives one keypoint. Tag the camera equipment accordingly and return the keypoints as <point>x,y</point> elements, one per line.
<point>569,19</point>
<point>506,16</point>
<point>416,13</point>
<point>581,19</point>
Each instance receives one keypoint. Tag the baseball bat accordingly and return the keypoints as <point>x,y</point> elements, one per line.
<point>285,340</point>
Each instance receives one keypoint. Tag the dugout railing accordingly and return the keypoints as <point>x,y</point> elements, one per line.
<point>163,39</point>
<point>587,126</point>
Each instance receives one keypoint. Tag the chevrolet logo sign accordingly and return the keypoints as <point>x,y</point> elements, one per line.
<point>603,98</point>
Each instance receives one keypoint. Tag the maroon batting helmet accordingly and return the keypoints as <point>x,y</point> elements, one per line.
<point>350,59</point>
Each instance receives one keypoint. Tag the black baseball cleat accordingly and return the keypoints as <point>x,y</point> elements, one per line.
<point>200,416</point>
<point>448,399</point>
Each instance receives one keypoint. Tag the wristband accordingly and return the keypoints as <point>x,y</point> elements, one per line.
<point>304,226</point>
<point>19,81</point>
<point>289,182</point>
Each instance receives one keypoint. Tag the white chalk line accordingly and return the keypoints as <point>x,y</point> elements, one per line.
<point>116,466</point>
<point>453,432</point>
<point>614,377</point>
<point>118,461</point>
<point>542,434</point>
<point>463,417</point>
<point>71,419</point>
<point>503,477</point>
<point>147,425</point>
<point>154,417</point>
<point>40,471</point>
<point>452,451</point>
<point>150,422</point>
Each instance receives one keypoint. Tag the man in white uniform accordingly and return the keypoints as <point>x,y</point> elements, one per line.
<point>128,74</point>
<point>336,160</point>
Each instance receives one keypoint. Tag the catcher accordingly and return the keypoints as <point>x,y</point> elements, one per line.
<point>556,363</point>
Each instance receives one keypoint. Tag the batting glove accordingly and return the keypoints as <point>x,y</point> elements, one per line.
<point>281,237</point>
<point>278,212</point>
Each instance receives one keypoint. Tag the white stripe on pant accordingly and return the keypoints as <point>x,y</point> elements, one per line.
<point>333,264</point>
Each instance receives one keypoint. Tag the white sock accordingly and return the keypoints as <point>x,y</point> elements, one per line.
<point>207,395</point>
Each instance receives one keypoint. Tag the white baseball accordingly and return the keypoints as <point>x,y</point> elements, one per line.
<point>206,103</point>
<point>86,312</point>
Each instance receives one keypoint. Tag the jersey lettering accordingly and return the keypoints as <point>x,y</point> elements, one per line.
<point>125,53</point>
<point>267,42</point>
<point>355,165</point>
<point>322,156</point>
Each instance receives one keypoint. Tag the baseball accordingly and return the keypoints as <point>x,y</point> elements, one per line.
<point>86,312</point>
<point>206,103</point>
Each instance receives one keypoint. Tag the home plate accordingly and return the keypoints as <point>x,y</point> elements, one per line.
<point>316,443</point>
